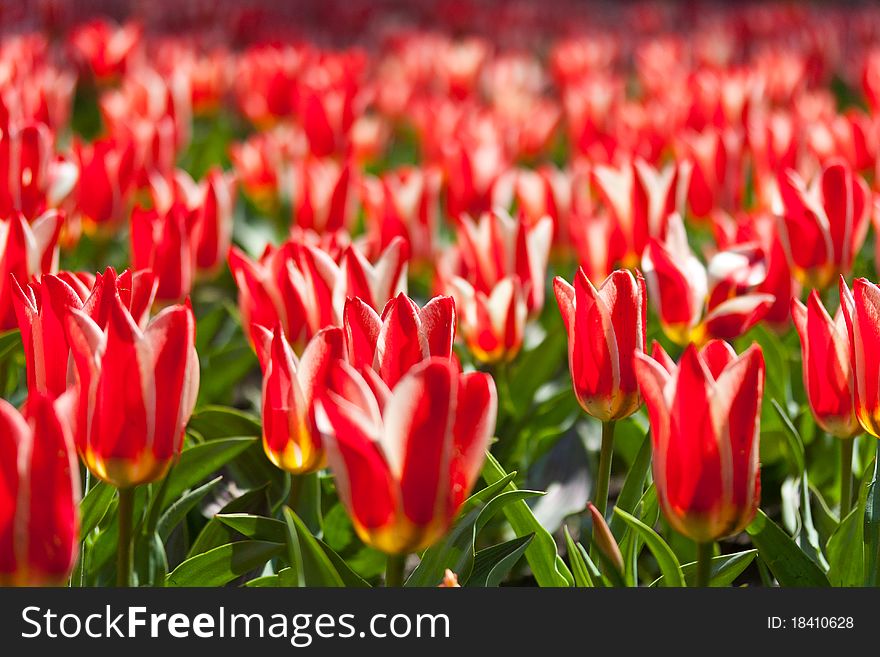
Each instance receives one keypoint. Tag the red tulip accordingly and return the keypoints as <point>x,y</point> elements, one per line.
<point>705,421</point>
<point>404,203</point>
<point>861,308</point>
<point>106,49</point>
<point>401,338</point>
<point>695,303</point>
<point>26,251</point>
<point>606,328</point>
<point>373,282</point>
<point>641,198</point>
<point>162,240</point>
<point>215,209</point>
<point>42,331</point>
<point>136,388</point>
<point>39,495</point>
<point>828,375</point>
<point>291,438</point>
<point>825,223</point>
<point>33,178</point>
<point>106,169</point>
<point>406,458</point>
<point>321,195</point>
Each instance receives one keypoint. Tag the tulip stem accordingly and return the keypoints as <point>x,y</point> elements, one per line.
<point>394,570</point>
<point>123,544</point>
<point>603,477</point>
<point>846,455</point>
<point>704,564</point>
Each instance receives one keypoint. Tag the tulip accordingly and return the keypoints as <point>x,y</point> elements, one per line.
<point>860,311</point>
<point>606,328</point>
<point>373,282</point>
<point>106,168</point>
<point>492,325</point>
<point>39,495</point>
<point>26,252</point>
<point>291,438</point>
<point>136,385</point>
<point>641,198</point>
<point>825,222</point>
<point>163,242</point>
<point>107,50</point>
<point>215,219</point>
<point>401,338</point>
<point>825,351</point>
<point>321,195</point>
<point>696,303</point>
<point>705,422</point>
<point>406,458</point>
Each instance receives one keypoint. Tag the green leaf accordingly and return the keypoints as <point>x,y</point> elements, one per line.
<point>150,561</point>
<point>199,462</point>
<point>846,550</point>
<point>307,556</point>
<point>492,564</point>
<point>535,367</point>
<point>666,559</point>
<point>872,523</point>
<point>583,569</point>
<point>633,487</point>
<point>788,563</point>
<point>724,569</point>
<point>547,566</point>
<point>94,506</point>
<point>178,509</point>
<point>223,564</point>
<point>215,533</point>
<point>258,528</point>
<point>214,422</point>
<point>792,437</point>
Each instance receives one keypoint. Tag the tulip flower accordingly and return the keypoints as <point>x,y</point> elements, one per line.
<point>163,242</point>
<point>291,438</point>
<point>705,423</point>
<point>321,195</point>
<point>214,222</point>
<point>825,222</point>
<point>401,338</point>
<point>26,252</point>
<point>106,169</point>
<point>640,199</point>
<point>606,328</point>
<point>39,495</point>
<point>107,50</point>
<point>860,311</point>
<point>405,458</point>
<point>696,303</point>
<point>828,376</point>
<point>136,388</point>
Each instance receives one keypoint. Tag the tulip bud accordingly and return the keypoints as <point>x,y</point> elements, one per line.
<point>825,352</point>
<point>861,308</point>
<point>291,438</point>
<point>26,251</point>
<point>606,327</point>
<point>406,458</point>
<point>39,495</point>
<point>136,388</point>
<point>402,337</point>
<point>163,242</point>
<point>604,539</point>
<point>705,422</point>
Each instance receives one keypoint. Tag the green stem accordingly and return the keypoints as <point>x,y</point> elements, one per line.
<point>82,545</point>
<point>704,564</point>
<point>123,544</point>
<point>394,570</point>
<point>846,454</point>
<point>293,495</point>
<point>603,477</point>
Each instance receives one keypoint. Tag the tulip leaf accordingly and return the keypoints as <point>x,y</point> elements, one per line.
<point>179,508</point>
<point>788,563</point>
<point>200,461</point>
<point>492,564</point>
<point>846,550</point>
<point>150,561</point>
<point>94,506</point>
<point>872,523</point>
<point>9,342</point>
<point>213,422</point>
<point>582,568</point>
<point>547,566</point>
<point>223,564</point>
<point>215,533</point>
<point>792,437</point>
<point>485,494</point>
<point>633,487</point>
<point>666,559</point>
<point>724,569</point>
<point>306,556</point>
<point>535,367</point>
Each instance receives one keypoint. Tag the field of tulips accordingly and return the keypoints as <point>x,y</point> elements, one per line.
<point>459,293</point>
